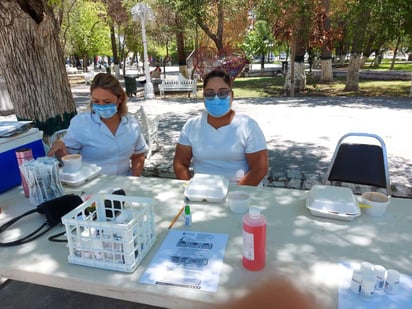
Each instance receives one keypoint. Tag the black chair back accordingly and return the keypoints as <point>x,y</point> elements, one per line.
<point>360,164</point>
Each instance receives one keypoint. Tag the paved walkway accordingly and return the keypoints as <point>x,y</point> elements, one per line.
<point>301,132</point>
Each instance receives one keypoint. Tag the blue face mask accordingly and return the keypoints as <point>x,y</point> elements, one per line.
<point>105,111</point>
<point>217,107</point>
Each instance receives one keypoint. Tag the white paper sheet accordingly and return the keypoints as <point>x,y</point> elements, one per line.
<point>9,128</point>
<point>188,259</point>
<point>381,300</point>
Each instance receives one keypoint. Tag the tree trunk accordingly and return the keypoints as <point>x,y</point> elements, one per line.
<point>326,70</point>
<point>326,50</point>
<point>398,41</point>
<point>297,68</point>
<point>296,75</point>
<point>217,37</point>
<point>115,53</point>
<point>32,62</point>
<point>352,79</point>
<point>180,45</point>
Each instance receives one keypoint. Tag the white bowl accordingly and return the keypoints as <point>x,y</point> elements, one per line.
<point>238,201</point>
<point>376,203</point>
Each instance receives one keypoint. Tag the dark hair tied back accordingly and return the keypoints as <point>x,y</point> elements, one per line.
<point>217,73</point>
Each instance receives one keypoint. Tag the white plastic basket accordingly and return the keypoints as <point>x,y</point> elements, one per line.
<point>110,231</point>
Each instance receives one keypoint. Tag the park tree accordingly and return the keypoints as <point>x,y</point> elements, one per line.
<point>117,19</point>
<point>324,36</point>
<point>399,22</point>
<point>86,32</point>
<point>212,17</point>
<point>32,62</point>
<point>164,28</point>
<point>291,22</point>
<point>360,15</point>
<point>178,18</point>
<point>224,22</point>
<point>256,41</point>
<point>209,16</point>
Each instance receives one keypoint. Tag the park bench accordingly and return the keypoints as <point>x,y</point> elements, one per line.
<point>72,70</point>
<point>180,84</point>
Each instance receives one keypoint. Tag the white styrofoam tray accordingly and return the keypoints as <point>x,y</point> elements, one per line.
<point>332,202</point>
<point>207,188</point>
<point>87,172</point>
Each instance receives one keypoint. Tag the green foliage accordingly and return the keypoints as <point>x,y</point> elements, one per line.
<point>255,42</point>
<point>87,31</point>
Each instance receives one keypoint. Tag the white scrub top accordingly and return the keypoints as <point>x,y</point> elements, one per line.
<point>90,137</point>
<point>222,151</point>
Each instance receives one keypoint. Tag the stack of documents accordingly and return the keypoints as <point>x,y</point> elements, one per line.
<point>10,128</point>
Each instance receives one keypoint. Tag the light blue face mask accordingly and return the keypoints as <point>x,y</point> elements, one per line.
<point>105,111</point>
<point>217,107</point>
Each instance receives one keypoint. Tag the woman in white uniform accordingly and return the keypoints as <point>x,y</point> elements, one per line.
<point>220,141</point>
<point>106,136</point>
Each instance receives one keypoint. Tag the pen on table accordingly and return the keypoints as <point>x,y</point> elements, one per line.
<point>176,217</point>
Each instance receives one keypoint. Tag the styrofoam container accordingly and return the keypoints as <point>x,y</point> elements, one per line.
<point>376,203</point>
<point>332,202</point>
<point>87,172</point>
<point>109,231</point>
<point>9,167</point>
<point>207,188</point>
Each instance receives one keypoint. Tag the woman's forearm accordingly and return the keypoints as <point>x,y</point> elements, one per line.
<point>137,164</point>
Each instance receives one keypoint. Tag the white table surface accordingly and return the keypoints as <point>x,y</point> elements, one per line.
<point>306,248</point>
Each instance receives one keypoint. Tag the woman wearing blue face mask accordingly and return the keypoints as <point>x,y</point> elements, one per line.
<point>220,141</point>
<point>106,135</point>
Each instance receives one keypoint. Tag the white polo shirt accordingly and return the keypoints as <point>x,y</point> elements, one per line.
<point>90,137</point>
<point>222,151</point>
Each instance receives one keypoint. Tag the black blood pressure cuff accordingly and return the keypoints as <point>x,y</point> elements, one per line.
<point>55,209</point>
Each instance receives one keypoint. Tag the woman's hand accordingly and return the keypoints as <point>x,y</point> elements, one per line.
<point>58,149</point>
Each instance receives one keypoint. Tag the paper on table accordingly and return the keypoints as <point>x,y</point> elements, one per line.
<point>9,128</point>
<point>381,300</point>
<point>188,259</point>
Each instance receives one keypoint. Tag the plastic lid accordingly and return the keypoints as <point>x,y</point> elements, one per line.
<point>187,210</point>
<point>254,211</point>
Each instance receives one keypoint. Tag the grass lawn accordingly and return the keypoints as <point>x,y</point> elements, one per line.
<point>260,87</point>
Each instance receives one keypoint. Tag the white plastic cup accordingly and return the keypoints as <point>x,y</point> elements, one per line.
<point>72,163</point>
<point>355,285</point>
<point>368,284</point>
<point>376,202</point>
<point>366,267</point>
<point>392,281</point>
<point>380,272</point>
<point>238,201</point>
